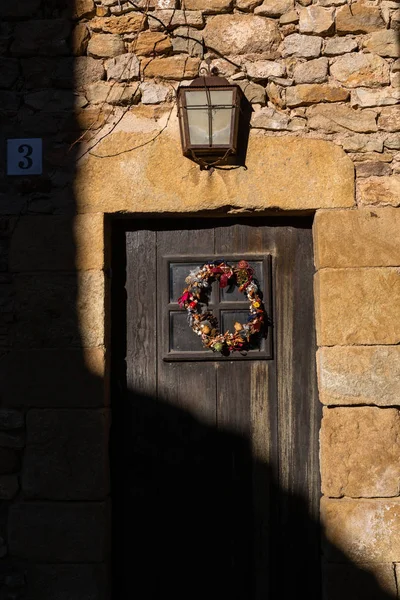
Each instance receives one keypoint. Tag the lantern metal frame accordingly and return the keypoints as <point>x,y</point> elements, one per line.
<point>209,154</point>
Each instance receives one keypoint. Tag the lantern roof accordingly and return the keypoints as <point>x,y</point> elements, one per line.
<point>209,81</point>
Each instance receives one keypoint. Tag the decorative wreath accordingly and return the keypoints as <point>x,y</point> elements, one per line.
<point>205,324</point>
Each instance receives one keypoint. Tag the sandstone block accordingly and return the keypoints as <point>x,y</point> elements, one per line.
<point>83,8</point>
<point>337,45</point>
<point>368,156</point>
<point>247,5</point>
<point>80,39</point>
<point>242,34</point>
<point>62,532</point>
<point>392,142</point>
<point>360,19</point>
<point>154,93</point>
<point>268,118</point>
<point>389,119</point>
<point>130,23</point>
<point>289,17</point>
<point>362,143</point>
<point>123,68</point>
<point>274,8</point>
<point>53,378</point>
<point>9,461</point>
<point>58,582</point>
<point>188,40</point>
<point>171,67</point>
<point>301,46</point>
<point>113,93</point>
<point>347,581</point>
<point>151,42</point>
<point>262,69</point>
<point>359,375</point>
<point>316,20</point>
<point>66,455</point>
<point>358,306</point>
<point>373,169</point>
<point>360,452</point>
<point>323,176</point>
<point>254,93</point>
<point>87,70</point>
<point>384,43</point>
<point>383,97</point>
<point>313,71</point>
<point>356,69</point>
<point>364,530</point>
<point>169,19</point>
<point>308,93</point>
<point>9,72</point>
<point>380,190</point>
<point>102,45</point>
<point>208,6</point>
<point>47,38</point>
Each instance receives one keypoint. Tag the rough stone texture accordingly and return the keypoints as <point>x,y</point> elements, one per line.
<point>316,20</point>
<point>322,177</point>
<point>364,530</point>
<point>9,461</point>
<point>358,306</point>
<point>87,70</point>
<point>46,38</point>
<point>102,45</point>
<point>360,452</point>
<point>313,71</point>
<point>254,93</point>
<point>341,118</point>
<point>335,46</point>
<point>389,119</point>
<point>289,17</point>
<point>9,486</point>
<point>154,93</point>
<point>123,68</point>
<point>161,19</point>
<point>188,40</point>
<point>268,118</point>
<point>208,6</point>
<point>380,190</point>
<point>66,455</point>
<point>151,42</point>
<point>367,581</point>
<point>360,238</point>
<point>59,532</point>
<point>366,97</point>
<point>247,5</point>
<point>384,43</point>
<point>171,67</point>
<point>53,378</point>
<point>57,243</point>
<point>80,39</point>
<point>262,69</point>
<point>301,46</point>
<point>56,310</point>
<point>274,8</point>
<point>83,8</point>
<point>130,23</point>
<point>392,141</point>
<point>242,34</point>
<point>113,93</point>
<point>373,169</point>
<point>362,143</point>
<point>61,582</point>
<point>358,69</point>
<point>307,93</point>
<point>359,375</point>
<point>361,18</point>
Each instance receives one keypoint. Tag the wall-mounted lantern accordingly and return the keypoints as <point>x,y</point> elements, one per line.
<point>208,111</point>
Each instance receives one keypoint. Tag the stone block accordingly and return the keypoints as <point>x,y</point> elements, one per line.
<point>53,378</point>
<point>365,97</point>
<point>254,92</point>
<point>270,119</point>
<point>316,20</point>
<point>113,93</point>
<point>66,455</point>
<point>338,45</point>
<point>341,118</point>
<point>9,461</point>
<point>170,19</point>
<point>123,68</point>
<point>59,310</point>
<point>171,67</point>
<point>80,39</point>
<point>312,71</point>
<point>309,93</point>
<point>12,440</point>
<point>359,238</point>
<point>263,69</point>
<point>302,46</point>
<point>83,8</point>
<point>242,34</point>
<point>380,190</point>
<point>148,43</point>
<point>247,5</point>
<point>373,169</point>
<point>11,419</point>
<point>208,6</point>
<point>130,23</point>
<point>63,582</point>
<point>59,532</point>
<point>367,581</point>
<point>360,452</point>
<point>274,8</point>
<point>362,530</point>
<point>87,70</point>
<point>362,143</point>
<point>47,38</point>
<point>384,43</point>
<point>154,93</point>
<point>102,45</point>
<point>358,306</point>
<point>322,176</point>
<point>389,118</point>
<point>9,486</point>
<point>57,243</point>
<point>392,142</point>
<point>361,18</point>
<point>357,69</point>
<point>188,40</point>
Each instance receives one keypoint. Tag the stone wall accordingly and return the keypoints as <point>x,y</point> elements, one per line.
<point>97,81</point>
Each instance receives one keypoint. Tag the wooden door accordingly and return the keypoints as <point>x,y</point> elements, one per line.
<point>219,494</point>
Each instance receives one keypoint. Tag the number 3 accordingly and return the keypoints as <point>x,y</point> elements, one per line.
<point>26,151</point>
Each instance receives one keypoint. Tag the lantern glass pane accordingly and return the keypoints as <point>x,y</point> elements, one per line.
<point>221,101</point>
<point>197,114</point>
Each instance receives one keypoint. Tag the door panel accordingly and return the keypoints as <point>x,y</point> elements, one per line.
<point>222,489</point>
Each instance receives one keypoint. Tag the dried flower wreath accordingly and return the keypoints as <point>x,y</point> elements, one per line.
<point>205,324</point>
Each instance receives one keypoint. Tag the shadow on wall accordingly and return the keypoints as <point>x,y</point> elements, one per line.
<point>178,516</point>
